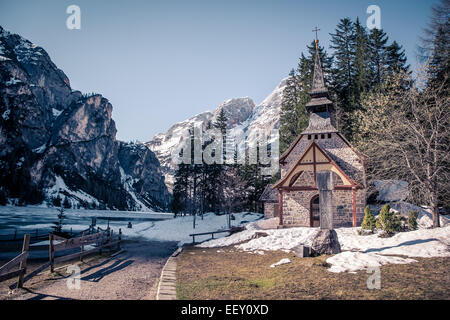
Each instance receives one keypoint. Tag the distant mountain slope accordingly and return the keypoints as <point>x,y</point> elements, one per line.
<point>56,143</point>
<point>242,114</point>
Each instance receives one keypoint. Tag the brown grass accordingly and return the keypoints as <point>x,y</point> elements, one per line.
<point>231,274</point>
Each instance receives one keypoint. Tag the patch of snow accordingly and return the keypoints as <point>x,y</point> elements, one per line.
<point>6,114</point>
<point>180,228</point>
<point>12,81</point>
<point>353,261</point>
<point>61,187</point>
<point>281,262</point>
<point>127,182</point>
<point>56,112</point>
<point>425,217</point>
<point>391,190</point>
<point>40,149</point>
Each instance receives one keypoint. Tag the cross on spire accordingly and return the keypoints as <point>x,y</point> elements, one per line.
<point>317,38</point>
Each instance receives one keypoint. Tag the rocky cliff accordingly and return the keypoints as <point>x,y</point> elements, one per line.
<point>57,144</point>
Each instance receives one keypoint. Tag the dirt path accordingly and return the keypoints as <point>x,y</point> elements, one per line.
<point>133,274</point>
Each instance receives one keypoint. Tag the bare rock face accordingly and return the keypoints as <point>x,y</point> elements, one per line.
<point>58,143</point>
<point>141,172</point>
<point>325,242</point>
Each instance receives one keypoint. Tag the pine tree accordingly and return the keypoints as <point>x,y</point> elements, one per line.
<point>387,221</point>
<point>360,62</point>
<point>396,58</point>
<point>344,73</point>
<point>343,44</point>
<point>57,226</point>
<point>369,222</point>
<point>288,116</point>
<point>378,56</point>
<point>181,189</point>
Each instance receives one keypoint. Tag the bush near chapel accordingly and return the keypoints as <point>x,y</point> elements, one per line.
<point>388,221</point>
<point>369,222</point>
<point>412,220</point>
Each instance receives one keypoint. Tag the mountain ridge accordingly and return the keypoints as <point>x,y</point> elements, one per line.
<point>242,114</point>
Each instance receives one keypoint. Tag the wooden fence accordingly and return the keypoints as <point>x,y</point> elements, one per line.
<point>20,260</point>
<point>100,240</point>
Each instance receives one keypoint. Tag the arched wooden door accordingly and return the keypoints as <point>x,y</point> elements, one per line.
<point>315,212</point>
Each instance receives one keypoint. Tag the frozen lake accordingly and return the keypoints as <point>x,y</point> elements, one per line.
<point>28,219</point>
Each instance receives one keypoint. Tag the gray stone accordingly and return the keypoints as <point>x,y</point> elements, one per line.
<point>259,235</point>
<point>325,180</point>
<point>327,208</point>
<point>301,251</point>
<point>325,242</point>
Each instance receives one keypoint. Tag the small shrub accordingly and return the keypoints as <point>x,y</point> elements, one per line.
<point>388,221</point>
<point>369,222</point>
<point>412,220</point>
<point>57,201</point>
<point>67,204</point>
<point>3,198</point>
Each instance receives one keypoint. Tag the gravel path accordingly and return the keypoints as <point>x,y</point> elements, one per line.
<point>133,275</point>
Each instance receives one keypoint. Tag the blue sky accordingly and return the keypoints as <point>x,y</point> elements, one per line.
<point>160,62</point>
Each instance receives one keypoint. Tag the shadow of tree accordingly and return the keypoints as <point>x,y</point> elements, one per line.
<point>40,296</point>
<point>406,243</point>
<point>100,274</point>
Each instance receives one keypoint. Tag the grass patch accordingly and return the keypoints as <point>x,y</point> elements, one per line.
<point>231,274</point>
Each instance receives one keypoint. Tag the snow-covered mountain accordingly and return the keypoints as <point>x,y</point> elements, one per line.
<point>242,114</point>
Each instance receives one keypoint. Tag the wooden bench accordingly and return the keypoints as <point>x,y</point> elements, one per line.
<point>212,233</point>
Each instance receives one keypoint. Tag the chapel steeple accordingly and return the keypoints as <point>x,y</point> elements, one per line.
<point>320,107</point>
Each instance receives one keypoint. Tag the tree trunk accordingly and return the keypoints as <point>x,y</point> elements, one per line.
<point>435,211</point>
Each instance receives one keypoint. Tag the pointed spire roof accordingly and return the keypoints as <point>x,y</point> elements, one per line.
<point>319,92</point>
<point>318,84</point>
<point>320,106</point>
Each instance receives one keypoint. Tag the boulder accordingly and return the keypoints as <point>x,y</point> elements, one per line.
<point>259,235</point>
<point>325,242</point>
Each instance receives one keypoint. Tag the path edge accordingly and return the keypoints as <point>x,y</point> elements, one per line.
<point>167,280</point>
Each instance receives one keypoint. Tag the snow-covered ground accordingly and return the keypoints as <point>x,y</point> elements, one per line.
<point>359,252</point>
<point>180,228</point>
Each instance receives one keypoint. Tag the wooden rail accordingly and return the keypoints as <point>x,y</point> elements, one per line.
<point>102,239</point>
<point>20,260</point>
<point>193,235</point>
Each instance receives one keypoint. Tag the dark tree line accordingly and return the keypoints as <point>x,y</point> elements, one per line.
<point>222,188</point>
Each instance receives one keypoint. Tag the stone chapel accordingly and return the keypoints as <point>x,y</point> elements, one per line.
<point>320,148</point>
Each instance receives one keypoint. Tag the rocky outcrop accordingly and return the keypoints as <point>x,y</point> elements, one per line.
<point>56,143</point>
<point>325,242</point>
<point>141,175</point>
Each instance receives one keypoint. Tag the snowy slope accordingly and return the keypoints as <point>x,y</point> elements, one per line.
<point>242,114</point>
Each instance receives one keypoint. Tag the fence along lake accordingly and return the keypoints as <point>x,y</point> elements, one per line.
<point>17,221</point>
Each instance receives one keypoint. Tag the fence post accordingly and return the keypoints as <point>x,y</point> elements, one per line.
<point>120,238</point>
<point>82,246</point>
<point>15,234</point>
<point>23,263</point>
<point>50,252</point>
<point>111,239</point>
<point>100,243</point>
